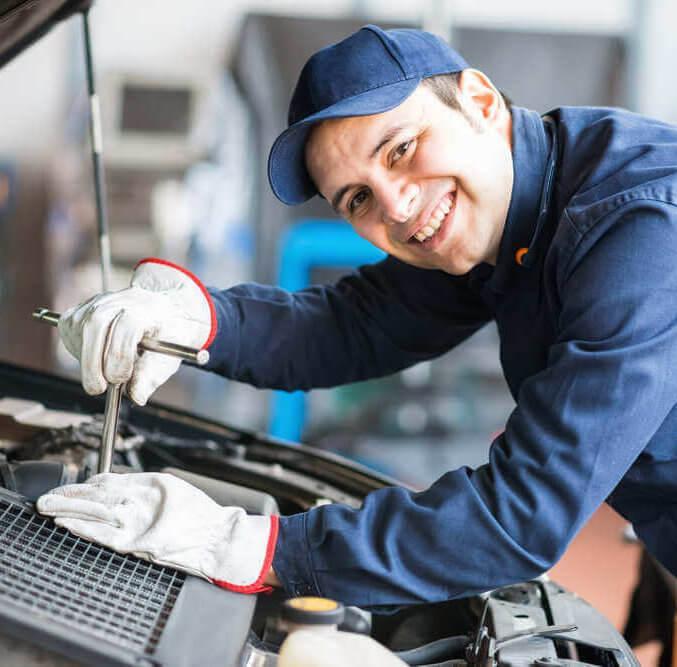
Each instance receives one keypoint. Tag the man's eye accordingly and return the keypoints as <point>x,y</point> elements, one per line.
<point>401,150</point>
<point>357,201</point>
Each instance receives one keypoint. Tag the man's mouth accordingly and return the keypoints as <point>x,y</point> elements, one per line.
<point>434,223</point>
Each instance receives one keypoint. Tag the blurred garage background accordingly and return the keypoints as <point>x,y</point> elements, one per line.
<point>192,96</point>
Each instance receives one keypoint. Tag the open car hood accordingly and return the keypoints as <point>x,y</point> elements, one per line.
<point>23,22</point>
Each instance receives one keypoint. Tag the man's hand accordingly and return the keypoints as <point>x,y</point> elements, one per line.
<point>163,519</point>
<point>164,301</point>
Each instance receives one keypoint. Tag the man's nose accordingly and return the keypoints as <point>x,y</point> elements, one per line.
<point>398,202</point>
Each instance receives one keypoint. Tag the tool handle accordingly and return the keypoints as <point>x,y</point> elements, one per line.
<point>199,357</point>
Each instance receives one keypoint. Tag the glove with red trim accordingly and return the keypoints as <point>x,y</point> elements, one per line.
<point>164,519</point>
<point>164,301</point>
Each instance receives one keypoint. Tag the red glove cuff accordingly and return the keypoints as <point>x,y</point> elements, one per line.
<point>198,282</point>
<point>258,586</point>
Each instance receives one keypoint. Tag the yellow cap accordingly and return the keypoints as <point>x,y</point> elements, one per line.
<point>313,611</point>
<point>313,604</point>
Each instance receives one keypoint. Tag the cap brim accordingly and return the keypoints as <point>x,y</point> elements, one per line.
<point>287,171</point>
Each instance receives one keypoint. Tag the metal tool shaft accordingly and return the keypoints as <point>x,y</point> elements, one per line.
<point>110,427</point>
<point>199,357</point>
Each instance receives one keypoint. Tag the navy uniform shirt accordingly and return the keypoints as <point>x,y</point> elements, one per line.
<point>588,345</point>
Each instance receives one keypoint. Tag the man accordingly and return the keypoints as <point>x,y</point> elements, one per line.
<point>563,229</point>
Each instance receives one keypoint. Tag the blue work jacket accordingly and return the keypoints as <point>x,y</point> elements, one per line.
<point>588,344</point>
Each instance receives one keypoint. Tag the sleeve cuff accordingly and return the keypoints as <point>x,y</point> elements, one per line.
<point>223,349</point>
<point>292,563</point>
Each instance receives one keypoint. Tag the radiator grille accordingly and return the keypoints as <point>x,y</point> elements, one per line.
<point>59,577</point>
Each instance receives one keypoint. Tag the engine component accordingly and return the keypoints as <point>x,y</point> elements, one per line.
<point>356,620</point>
<point>320,647</point>
<point>33,478</point>
<point>21,419</point>
<point>312,611</point>
<point>94,605</point>
<point>225,493</point>
<point>449,648</point>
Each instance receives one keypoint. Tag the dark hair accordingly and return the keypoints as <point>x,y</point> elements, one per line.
<point>445,87</point>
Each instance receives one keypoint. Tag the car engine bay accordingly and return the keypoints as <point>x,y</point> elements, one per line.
<point>57,599</point>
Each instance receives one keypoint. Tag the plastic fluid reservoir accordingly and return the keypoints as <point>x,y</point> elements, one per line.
<point>315,641</point>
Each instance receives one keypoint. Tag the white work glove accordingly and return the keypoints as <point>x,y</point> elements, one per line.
<point>163,519</point>
<point>165,302</point>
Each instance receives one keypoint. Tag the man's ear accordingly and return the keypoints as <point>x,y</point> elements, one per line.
<point>481,99</point>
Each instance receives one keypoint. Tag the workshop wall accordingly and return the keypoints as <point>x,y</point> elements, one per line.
<point>155,36</point>
<point>33,94</point>
<point>150,37</point>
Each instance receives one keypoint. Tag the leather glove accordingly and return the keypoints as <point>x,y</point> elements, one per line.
<point>164,301</point>
<point>162,518</point>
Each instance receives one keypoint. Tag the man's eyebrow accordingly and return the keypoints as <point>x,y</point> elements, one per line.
<point>385,139</point>
<point>336,199</point>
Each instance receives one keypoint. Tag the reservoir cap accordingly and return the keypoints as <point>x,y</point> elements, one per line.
<point>313,611</point>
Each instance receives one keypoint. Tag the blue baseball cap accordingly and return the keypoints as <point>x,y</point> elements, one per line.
<point>369,72</point>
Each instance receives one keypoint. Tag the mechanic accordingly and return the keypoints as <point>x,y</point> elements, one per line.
<point>562,228</point>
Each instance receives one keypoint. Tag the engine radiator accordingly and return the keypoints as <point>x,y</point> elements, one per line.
<point>95,605</point>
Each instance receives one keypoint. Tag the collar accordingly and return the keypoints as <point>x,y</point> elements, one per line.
<point>534,152</point>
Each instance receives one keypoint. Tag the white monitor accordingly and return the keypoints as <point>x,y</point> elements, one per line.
<point>150,122</point>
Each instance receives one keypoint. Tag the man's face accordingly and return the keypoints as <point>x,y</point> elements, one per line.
<point>422,182</point>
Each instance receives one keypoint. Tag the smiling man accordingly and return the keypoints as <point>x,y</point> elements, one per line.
<point>562,229</point>
<point>401,176</point>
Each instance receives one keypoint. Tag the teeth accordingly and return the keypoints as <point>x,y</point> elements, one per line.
<point>435,220</point>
